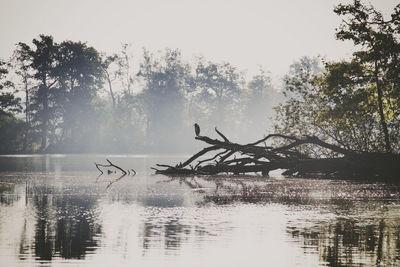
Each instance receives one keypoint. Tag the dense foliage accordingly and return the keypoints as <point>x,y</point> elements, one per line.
<point>354,103</point>
<point>11,129</point>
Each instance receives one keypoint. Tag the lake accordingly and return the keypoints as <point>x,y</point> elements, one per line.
<point>55,210</point>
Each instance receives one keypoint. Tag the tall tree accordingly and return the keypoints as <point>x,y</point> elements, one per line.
<point>354,102</point>
<point>125,70</point>
<point>379,54</point>
<point>79,73</point>
<point>126,122</point>
<point>110,75</point>
<point>218,90</point>
<point>259,98</point>
<point>11,129</point>
<point>118,71</point>
<point>9,104</point>
<point>297,116</point>
<point>67,77</point>
<point>42,57</point>
<point>21,65</point>
<point>166,82</point>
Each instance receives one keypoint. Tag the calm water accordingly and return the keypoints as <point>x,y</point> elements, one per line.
<point>56,211</point>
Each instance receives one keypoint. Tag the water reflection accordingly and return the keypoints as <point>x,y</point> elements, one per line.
<point>7,194</point>
<point>58,216</point>
<point>65,225</point>
<point>170,233</point>
<point>365,228</point>
<point>344,242</point>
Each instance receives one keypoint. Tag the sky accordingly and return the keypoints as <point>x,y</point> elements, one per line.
<point>247,33</point>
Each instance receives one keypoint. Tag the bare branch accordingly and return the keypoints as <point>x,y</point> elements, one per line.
<point>223,136</point>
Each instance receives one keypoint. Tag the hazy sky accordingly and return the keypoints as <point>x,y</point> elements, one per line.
<point>247,33</point>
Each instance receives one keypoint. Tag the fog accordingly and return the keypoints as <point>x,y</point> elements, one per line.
<point>76,99</point>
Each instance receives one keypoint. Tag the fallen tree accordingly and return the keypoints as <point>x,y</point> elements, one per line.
<point>224,156</point>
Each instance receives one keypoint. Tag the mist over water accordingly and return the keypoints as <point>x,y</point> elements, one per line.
<point>59,212</point>
<point>121,104</point>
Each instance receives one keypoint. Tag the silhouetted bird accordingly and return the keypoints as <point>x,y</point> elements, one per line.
<point>196,129</point>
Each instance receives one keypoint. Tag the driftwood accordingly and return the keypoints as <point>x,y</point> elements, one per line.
<point>111,168</point>
<point>224,156</point>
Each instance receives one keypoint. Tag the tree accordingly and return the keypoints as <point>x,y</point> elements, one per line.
<point>67,77</point>
<point>302,101</point>
<point>355,102</point>
<point>125,70</point>
<point>79,74</point>
<point>11,130</point>
<point>218,88</point>
<point>9,104</point>
<point>166,83</point>
<point>110,75</point>
<point>21,65</point>
<point>298,115</point>
<point>258,99</point>
<point>378,57</point>
<point>42,62</point>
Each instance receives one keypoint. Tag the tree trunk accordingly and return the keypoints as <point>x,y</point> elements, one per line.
<point>45,115</point>
<point>27,114</point>
<point>110,88</point>
<point>381,113</point>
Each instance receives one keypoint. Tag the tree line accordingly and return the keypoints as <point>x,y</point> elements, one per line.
<point>69,97</point>
<point>72,98</point>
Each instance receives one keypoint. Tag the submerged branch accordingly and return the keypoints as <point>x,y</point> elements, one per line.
<point>110,169</point>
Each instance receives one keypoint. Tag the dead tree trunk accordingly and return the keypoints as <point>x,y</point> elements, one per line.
<point>224,156</point>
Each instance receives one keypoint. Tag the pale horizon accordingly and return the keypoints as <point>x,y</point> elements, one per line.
<point>247,34</point>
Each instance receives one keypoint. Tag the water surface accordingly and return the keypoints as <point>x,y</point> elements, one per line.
<point>56,211</point>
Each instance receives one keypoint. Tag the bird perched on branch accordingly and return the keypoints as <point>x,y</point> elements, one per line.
<point>196,129</point>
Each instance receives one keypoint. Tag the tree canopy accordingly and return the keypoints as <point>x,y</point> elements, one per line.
<point>353,102</point>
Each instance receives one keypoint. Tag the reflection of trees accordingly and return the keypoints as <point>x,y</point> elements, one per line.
<point>149,231</point>
<point>65,224</point>
<point>174,231</point>
<point>44,231</point>
<point>345,242</point>
<point>7,194</point>
<point>170,233</point>
<point>76,230</point>
<point>342,241</point>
